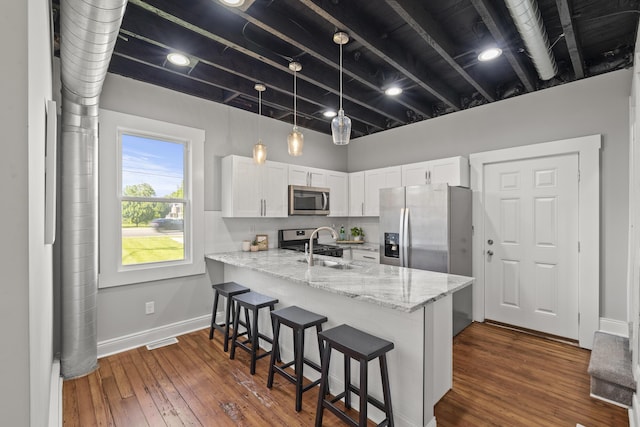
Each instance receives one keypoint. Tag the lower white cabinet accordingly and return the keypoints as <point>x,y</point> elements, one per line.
<point>250,190</point>
<point>364,255</point>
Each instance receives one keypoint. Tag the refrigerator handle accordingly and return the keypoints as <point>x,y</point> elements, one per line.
<point>405,238</point>
<point>401,237</point>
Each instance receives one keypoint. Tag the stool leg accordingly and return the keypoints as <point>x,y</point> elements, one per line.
<point>274,353</point>
<point>299,359</point>
<point>347,381</point>
<point>247,324</point>
<point>213,314</point>
<point>386,392</point>
<point>236,318</point>
<point>320,350</point>
<point>324,375</point>
<point>274,343</point>
<point>254,341</point>
<point>227,320</point>
<point>363,392</point>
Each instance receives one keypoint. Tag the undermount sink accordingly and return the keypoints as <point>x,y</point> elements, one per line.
<point>331,264</point>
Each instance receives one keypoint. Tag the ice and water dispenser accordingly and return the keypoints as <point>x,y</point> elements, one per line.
<point>392,245</point>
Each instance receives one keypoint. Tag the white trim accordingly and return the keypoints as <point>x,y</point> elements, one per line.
<point>138,339</point>
<point>614,327</point>
<point>432,423</point>
<point>55,395</point>
<point>588,149</point>
<point>613,402</point>
<point>634,413</point>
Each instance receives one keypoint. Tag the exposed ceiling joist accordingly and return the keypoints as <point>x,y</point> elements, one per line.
<point>264,17</point>
<point>489,17</point>
<point>430,31</point>
<point>575,52</point>
<point>345,18</point>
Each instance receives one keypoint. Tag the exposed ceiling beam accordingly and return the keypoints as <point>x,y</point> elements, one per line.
<point>234,63</point>
<point>344,16</point>
<point>272,99</point>
<point>431,32</point>
<point>489,16</point>
<point>575,52</point>
<point>270,20</point>
<point>181,16</point>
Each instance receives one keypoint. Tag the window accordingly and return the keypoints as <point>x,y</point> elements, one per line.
<point>151,200</point>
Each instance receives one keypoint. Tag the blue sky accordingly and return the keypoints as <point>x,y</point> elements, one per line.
<point>155,162</point>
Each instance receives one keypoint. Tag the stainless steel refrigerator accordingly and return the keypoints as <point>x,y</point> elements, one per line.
<point>428,227</point>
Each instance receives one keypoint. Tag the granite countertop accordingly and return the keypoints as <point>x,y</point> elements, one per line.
<point>404,289</point>
<point>365,246</point>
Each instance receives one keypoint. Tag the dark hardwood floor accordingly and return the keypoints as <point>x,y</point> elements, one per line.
<point>501,378</point>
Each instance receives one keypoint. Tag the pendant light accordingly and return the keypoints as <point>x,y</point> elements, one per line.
<point>341,124</point>
<point>295,140</point>
<point>259,150</point>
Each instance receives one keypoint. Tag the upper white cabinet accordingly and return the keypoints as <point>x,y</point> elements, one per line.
<point>250,190</point>
<point>310,177</point>
<point>376,179</point>
<point>452,171</point>
<point>356,194</point>
<point>338,183</point>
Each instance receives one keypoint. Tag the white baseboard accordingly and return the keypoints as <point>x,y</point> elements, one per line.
<point>432,423</point>
<point>138,339</point>
<point>614,327</point>
<point>634,415</point>
<point>55,395</point>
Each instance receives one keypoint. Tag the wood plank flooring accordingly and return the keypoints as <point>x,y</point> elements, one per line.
<point>501,378</point>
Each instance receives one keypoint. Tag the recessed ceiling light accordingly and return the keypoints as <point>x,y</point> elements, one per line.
<point>329,114</point>
<point>178,59</point>
<point>489,54</point>
<point>393,91</point>
<point>232,3</point>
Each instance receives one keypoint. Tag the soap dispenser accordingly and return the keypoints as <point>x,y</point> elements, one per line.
<point>343,236</point>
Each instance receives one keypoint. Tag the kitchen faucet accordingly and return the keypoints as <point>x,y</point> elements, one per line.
<point>333,235</point>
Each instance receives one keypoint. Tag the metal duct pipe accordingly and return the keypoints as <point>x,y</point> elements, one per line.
<point>528,20</point>
<point>88,32</point>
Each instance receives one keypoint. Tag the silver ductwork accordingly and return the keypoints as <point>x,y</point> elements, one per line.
<point>88,32</point>
<point>528,20</point>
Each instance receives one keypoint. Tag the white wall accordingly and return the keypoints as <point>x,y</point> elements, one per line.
<point>598,105</point>
<point>228,131</point>
<point>25,261</point>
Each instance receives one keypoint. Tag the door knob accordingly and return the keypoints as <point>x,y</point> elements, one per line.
<point>490,253</point>
<point>490,242</point>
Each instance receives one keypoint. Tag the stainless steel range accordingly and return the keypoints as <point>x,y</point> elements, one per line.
<point>295,239</point>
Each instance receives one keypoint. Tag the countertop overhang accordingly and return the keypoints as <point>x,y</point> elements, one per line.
<point>399,288</point>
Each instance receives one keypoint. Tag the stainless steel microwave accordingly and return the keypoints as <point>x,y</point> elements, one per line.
<point>308,200</point>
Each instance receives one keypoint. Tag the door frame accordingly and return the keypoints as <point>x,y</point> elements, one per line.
<point>588,150</point>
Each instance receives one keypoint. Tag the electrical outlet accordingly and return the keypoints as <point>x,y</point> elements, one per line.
<point>150,307</point>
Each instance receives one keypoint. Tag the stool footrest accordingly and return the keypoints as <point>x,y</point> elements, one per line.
<point>339,413</point>
<point>375,402</point>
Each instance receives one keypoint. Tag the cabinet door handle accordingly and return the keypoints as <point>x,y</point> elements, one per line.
<point>265,207</point>
<point>362,208</point>
<point>368,257</point>
<point>426,177</point>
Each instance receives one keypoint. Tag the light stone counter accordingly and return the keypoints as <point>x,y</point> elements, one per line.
<point>404,289</point>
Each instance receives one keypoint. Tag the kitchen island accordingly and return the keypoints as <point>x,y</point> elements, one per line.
<point>412,308</point>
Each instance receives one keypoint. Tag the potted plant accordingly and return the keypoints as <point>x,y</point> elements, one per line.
<point>357,233</point>
<point>254,246</point>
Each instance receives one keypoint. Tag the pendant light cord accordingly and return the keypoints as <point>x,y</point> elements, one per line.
<point>295,101</point>
<point>259,111</point>
<point>341,76</point>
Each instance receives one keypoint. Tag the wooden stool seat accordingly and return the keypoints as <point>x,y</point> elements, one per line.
<point>251,301</point>
<point>298,319</point>
<point>363,347</point>
<point>227,290</point>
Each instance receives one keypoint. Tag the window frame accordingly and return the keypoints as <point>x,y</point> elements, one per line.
<point>112,272</point>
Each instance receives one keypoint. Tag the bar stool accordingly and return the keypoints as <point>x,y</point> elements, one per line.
<point>298,320</point>
<point>358,345</point>
<point>252,301</point>
<point>227,290</point>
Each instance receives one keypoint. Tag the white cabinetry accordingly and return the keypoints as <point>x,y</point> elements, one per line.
<point>376,179</point>
<point>310,177</point>
<point>250,190</point>
<point>452,170</point>
<point>338,183</point>
<point>365,255</point>
<point>356,194</point>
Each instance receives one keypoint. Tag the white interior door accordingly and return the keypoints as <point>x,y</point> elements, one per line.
<point>531,244</point>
